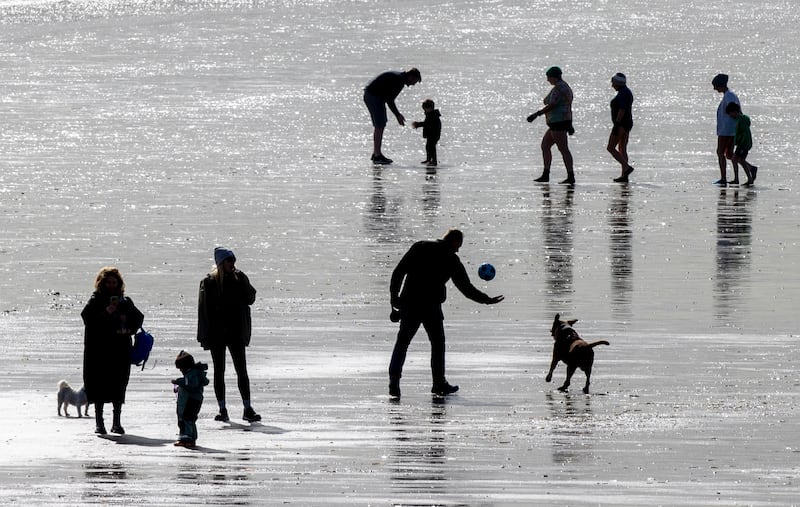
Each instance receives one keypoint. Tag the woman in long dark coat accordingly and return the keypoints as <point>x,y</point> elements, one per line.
<point>110,319</point>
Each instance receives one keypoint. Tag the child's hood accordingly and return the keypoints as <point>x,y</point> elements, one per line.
<point>435,113</point>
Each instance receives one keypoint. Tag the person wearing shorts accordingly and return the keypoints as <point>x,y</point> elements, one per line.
<point>622,118</point>
<point>558,114</point>
<point>726,129</point>
<point>379,93</point>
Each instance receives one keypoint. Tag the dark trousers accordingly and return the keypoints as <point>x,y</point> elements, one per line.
<point>239,364</point>
<point>409,326</point>
<point>430,150</point>
<point>187,420</point>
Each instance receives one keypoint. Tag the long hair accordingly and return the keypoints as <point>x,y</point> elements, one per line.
<point>105,273</point>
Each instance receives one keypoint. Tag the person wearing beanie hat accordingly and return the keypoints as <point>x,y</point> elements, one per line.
<point>190,397</point>
<point>622,118</point>
<point>222,253</point>
<point>224,323</point>
<point>558,115</point>
<point>726,130</point>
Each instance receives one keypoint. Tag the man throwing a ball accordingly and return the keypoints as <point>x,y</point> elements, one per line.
<point>422,273</point>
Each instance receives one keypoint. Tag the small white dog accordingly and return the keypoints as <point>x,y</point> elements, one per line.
<point>68,396</point>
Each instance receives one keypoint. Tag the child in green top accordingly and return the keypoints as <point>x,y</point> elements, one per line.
<point>743,140</point>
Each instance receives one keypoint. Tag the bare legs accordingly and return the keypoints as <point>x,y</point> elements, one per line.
<point>377,141</point>
<point>559,139</point>
<point>725,152</point>
<point>618,148</point>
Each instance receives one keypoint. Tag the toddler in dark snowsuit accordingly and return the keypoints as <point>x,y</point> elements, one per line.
<point>431,130</point>
<point>190,397</point>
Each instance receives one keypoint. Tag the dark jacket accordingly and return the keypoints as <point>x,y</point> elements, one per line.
<point>191,385</point>
<point>432,126</point>
<point>223,313</point>
<point>423,272</point>
<point>106,352</point>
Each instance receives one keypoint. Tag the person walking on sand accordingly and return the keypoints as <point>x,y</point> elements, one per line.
<point>726,130</point>
<point>622,118</point>
<point>110,320</point>
<point>431,131</point>
<point>743,142</point>
<point>224,323</point>
<point>379,93</point>
<point>422,274</point>
<point>558,115</point>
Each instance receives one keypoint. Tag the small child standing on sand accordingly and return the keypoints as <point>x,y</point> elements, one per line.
<point>431,131</point>
<point>190,397</point>
<point>743,141</point>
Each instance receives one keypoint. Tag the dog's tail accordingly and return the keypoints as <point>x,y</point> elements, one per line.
<point>62,384</point>
<point>599,342</point>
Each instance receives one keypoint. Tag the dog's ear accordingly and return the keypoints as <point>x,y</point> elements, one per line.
<point>571,322</point>
<point>555,326</point>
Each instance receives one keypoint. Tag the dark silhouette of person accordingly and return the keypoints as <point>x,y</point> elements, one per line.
<point>224,322</point>
<point>379,93</point>
<point>422,273</point>
<point>111,319</point>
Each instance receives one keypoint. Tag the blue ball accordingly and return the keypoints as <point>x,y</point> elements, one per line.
<point>486,271</point>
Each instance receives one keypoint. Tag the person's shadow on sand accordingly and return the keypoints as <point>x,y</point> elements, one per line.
<point>254,427</point>
<point>129,439</point>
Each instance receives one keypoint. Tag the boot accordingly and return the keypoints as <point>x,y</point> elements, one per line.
<point>116,427</point>
<point>100,425</point>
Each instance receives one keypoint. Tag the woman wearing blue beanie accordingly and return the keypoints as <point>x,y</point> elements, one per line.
<point>224,323</point>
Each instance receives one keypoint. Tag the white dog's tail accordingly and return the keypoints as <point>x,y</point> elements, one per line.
<point>63,384</point>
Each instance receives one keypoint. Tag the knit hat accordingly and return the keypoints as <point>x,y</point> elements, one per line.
<point>618,78</point>
<point>184,360</point>
<point>221,253</point>
<point>720,80</point>
<point>553,72</point>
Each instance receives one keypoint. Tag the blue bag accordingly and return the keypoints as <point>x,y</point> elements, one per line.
<point>142,345</point>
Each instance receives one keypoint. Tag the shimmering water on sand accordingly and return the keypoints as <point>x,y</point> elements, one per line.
<point>143,134</point>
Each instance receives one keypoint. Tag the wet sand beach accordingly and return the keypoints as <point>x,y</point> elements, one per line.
<point>144,135</point>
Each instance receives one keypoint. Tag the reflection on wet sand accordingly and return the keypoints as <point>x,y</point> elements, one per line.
<point>431,195</point>
<point>417,459</point>
<point>105,472</point>
<point>621,241</point>
<point>383,214</point>
<point>557,228</point>
<point>572,426</point>
<point>734,241</point>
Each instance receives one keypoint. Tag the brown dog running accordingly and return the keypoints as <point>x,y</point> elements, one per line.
<point>570,348</point>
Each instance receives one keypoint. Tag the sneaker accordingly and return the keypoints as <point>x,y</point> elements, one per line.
<point>568,181</point>
<point>381,160</point>
<point>117,429</point>
<point>100,429</point>
<point>544,178</point>
<point>444,389</point>
<point>733,182</point>
<point>721,183</point>
<point>621,179</point>
<point>185,443</point>
<point>753,171</point>
<point>250,415</point>
<point>222,416</point>
<point>394,388</point>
